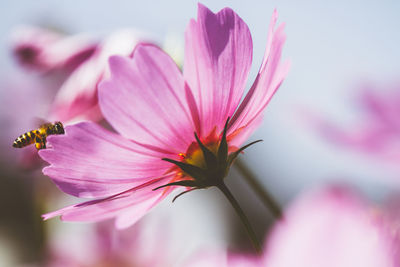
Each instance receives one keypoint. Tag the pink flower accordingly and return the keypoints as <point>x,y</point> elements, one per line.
<point>329,227</point>
<point>146,244</point>
<point>82,61</point>
<point>77,98</point>
<point>334,227</point>
<point>44,50</point>
<point>223,258</point>
<point>378,131</point>
<point>156,109</point>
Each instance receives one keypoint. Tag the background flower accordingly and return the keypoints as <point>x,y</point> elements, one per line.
<point>145,244</point>
<point>333,226</point>
<point>82,64</point>
<point>43,50</point>
<point>375,131</point>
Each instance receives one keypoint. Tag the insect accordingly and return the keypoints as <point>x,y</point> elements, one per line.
<point>39,135</point>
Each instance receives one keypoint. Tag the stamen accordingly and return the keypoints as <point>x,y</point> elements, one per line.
<point>204,164</point>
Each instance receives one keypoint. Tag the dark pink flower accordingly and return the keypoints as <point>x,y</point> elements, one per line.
<point>44,50</point>
<point>82,61</point>
<point>156,109</point>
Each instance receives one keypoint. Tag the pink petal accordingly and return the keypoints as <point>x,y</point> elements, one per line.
<point>373,138</point>
<point>377,134</point>
<point>77,98</point>
<point>44,50</point>
<point>243,260</point>
<point>89,161</point>
<point>132,214</point>
<point>268,80</point>
<point>218,54</point>
<point>244,134</point>
<point>212,258</point>
<point>127,207</point>
<point>220,257</point>
<point>144,100</point>
<point>382,108</point>
<point>330,227</point>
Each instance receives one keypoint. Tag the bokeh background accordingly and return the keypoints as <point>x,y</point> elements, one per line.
<point>335,48</point>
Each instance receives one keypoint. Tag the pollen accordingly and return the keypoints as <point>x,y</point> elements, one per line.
<point>205,163</point>
<point>195,156</point>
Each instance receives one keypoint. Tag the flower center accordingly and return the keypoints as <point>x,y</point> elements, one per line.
<point>206,162</point>
<point>195,156</point>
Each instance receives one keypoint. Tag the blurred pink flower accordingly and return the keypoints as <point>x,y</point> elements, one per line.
<point>83,61</point>
<point>222,258</point>
<point>376,133</point>
<point>334,227</point>
<point>329,227</point>
<point>156,110</point>
<point>44,50</point>
<point>146,244</point>
<point>70,68</point>
<point>77,98</point>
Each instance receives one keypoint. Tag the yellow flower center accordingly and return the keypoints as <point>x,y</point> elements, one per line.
<point>196,157</point>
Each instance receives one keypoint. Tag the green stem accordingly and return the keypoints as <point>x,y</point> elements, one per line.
<point>265,196</point>
<point>242,216</point>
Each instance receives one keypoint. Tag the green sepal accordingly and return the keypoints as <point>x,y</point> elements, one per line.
<point>217,166</point>
<point>209,157</point>
<point>223,146</point>
<point>192,170</point>
<point>234,155</point>
<point>182,193</point>
<point>188,183</point>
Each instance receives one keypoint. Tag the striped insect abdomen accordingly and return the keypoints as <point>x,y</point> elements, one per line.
<point>25,139</point>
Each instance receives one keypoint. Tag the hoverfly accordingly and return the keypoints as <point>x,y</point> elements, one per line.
<point>38,136</point>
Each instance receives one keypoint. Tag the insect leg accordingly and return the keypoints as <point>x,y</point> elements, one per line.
<point>44,142</point>
<point>39,142</point>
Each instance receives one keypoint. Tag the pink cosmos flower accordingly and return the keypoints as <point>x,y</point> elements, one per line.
<point>77,98</point>
<point>146,244</point>
<point>45,50</point>
<point>82,61</point>
<point>222,258</point>
<point>334,227</point>
<point>156,109</point>
<point>378,132</point>
<point>330,227</point>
